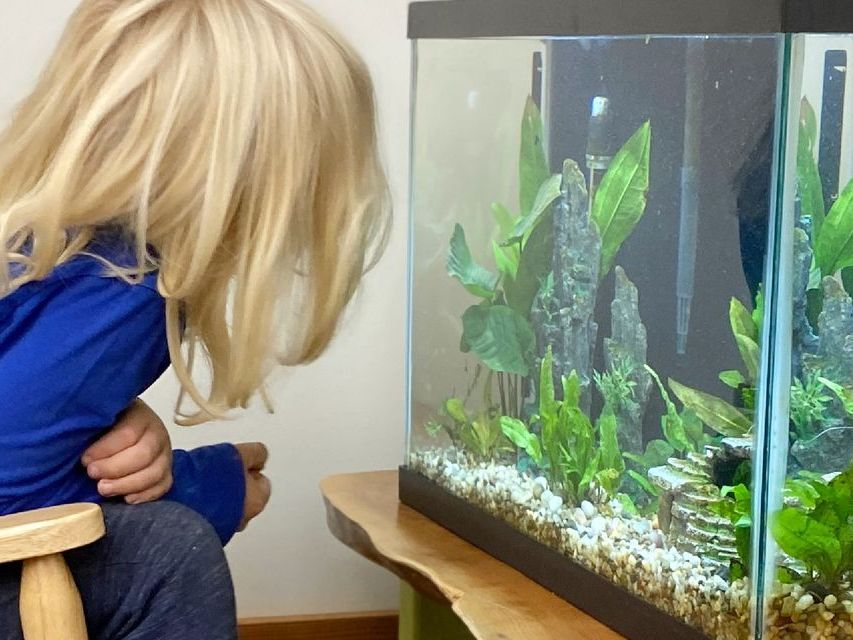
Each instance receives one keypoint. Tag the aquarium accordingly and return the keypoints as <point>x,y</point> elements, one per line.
<point>631,345</point>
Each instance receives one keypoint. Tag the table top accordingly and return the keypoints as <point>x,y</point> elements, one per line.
<point>493,600</point>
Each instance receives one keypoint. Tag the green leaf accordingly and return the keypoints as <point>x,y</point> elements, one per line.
<point>533,163</point>
<point>844,395</point>
<point>834,248</point>
<point>807,540</point>
<point>733,379</point>
<point>742,321</point>
<point>694,429</point>
<point>751,355</point>
<point>520,436</point>
<point>808,175</point>
<point>461,265</point>
<point>547,395</point>
<point>620,201</point>
<point>500,337</point>
<point>506,258</point>
<point>533,268</point>
<point>746,336</point>
<point>503,218</point>
<point>671,425</point>
<point>549,192</point>
<point>455,408</point>
<point>643,483</point>
<point>717,414</point>
<point>611,457</point>
<point>572,390</point>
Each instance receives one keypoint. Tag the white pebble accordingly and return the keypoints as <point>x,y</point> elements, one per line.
<point>555,503</point>
<point>588,509</point>
<point>804,603</point>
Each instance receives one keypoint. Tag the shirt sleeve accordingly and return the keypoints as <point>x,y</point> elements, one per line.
<point>211,480</point>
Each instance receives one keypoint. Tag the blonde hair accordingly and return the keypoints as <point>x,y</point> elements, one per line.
<point>235,142</point>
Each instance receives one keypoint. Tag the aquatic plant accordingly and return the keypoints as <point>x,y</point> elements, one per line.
<point>820,538</point>
<point>616,386</point>
<point>479,434</point>
<point>809,401</point>
<point>581,461</point>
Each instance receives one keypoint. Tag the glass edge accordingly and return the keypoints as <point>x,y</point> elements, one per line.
<point>771,451</point>
<point>410,257</point>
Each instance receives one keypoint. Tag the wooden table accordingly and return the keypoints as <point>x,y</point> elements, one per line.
<point>488,599</point>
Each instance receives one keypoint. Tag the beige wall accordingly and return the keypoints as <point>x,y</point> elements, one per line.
<point>346,412</point>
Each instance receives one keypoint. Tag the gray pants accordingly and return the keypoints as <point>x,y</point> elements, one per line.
<point>159,574</point>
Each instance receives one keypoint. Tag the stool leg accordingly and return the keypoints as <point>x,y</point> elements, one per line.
<point>51,608</point>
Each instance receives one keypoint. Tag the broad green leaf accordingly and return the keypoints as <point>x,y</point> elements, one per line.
<point>834,248</point>
<point>611,457</point>
<point>461,265</point>
<point>717,414</point>
<point>807,540</point>
<point>533,163</point>
<point>520,436</point>
<point>693,429</point>
<point>500,337</point>
<point>844,395</point>
<point>808,175</point>
<point>533,268</point>
<point>506,259</point>
<point>656,454</point>
<point>751,355</point>
<point>455,408</point>
<point>549,192</point>
<point>746,337</point>
<point>733,379</point>
<point>503,218</point>
<point>643,483</point>
<point>803,491</point>
<point>607,479</point>
<point>742,321</point>
<point>620,200</point>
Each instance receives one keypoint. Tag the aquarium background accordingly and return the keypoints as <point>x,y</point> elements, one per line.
<point>700,437</point>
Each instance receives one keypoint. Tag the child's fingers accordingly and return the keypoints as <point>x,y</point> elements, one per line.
<point>154,493</point>
<point>144,453</point>
<point>125,434</point>
<point>150,479</point>
<point>254,455</point>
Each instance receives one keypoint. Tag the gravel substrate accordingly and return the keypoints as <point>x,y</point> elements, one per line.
<point>633,553</point>
<point>629,551</point>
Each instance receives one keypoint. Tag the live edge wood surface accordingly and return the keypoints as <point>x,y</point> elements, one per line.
<point>494,601</point>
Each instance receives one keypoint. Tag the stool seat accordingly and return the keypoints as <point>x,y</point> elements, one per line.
<point>50,531</point>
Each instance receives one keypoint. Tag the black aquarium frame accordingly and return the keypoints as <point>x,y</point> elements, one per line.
<point>605,601</point>
<point>542,18</point>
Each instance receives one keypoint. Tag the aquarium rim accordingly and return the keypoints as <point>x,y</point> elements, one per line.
<point>449,19</point>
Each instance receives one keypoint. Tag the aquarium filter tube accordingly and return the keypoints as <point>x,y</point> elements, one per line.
<point>599,148</point>
<point>689,225</point>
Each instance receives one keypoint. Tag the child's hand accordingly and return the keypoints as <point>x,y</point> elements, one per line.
<point>258,488</point>
<point>134,459</point>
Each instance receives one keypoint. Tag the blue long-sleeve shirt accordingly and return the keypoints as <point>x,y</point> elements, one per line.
<point>75,350</point>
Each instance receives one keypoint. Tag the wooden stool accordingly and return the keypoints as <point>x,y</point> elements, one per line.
<point>50,603</point>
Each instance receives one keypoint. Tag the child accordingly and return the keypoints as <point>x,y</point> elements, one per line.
<point>189,180</point>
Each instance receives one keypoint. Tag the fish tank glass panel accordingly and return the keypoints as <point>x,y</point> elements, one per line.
<point>806,479</point>
<point>631,333</point>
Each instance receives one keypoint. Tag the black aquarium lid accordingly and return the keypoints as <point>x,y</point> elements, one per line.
<point>531,18</point>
